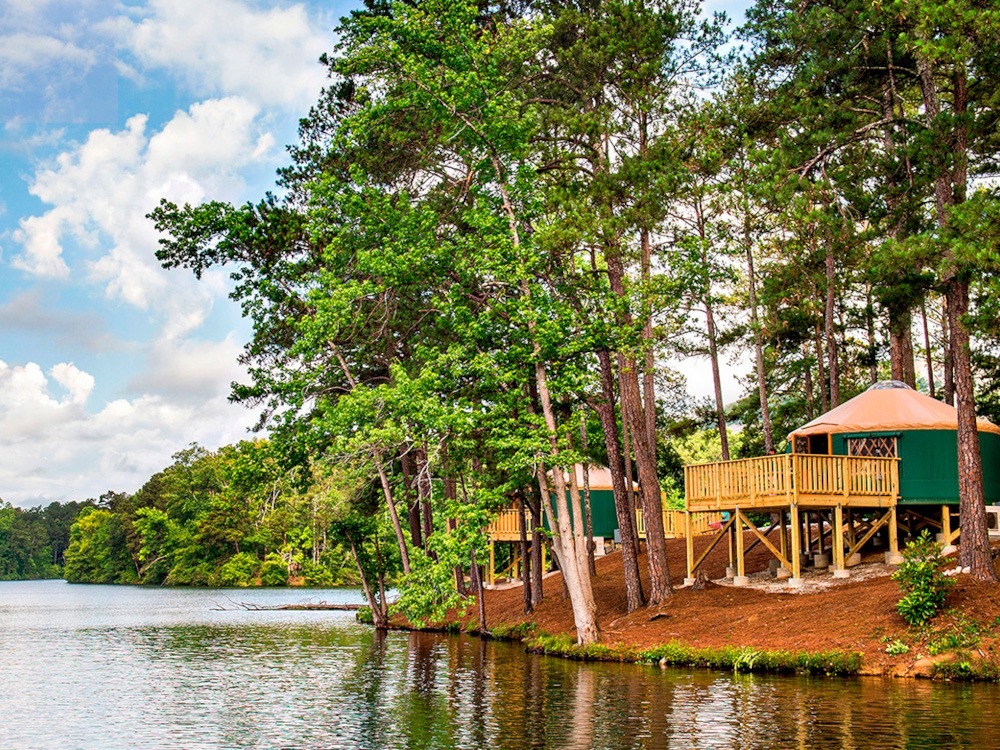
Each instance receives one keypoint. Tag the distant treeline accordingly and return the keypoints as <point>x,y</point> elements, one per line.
<point>233,517</point>
<point>32,542</point>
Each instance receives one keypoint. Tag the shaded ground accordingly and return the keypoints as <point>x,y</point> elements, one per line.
<point>856,614</point>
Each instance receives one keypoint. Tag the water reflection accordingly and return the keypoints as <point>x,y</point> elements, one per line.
<point>98,667</point>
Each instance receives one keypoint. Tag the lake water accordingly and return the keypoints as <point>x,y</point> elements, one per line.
<point>103,668</point>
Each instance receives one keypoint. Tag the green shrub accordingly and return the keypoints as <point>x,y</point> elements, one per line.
<point>897,648</point>
<point>239,570</point>
<point>316,574</point>
<point>274,571</point>
<point>923,584</point>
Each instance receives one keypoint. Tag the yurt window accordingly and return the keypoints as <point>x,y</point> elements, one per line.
<point>878,447</point>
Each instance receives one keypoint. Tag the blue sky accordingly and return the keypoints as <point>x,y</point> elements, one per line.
<point>108,363</point>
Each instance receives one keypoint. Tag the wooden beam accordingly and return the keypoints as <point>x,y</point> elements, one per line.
<point>689,543</point>
<point>762,539</point>
<point>796,543</point>
<point>723,532</point>
<point>755,542</point>
<point>740,556</point>
<point>838,538</point>
<point>875,526</point>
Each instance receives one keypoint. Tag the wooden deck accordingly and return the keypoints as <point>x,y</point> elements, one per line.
<point>805,480</point>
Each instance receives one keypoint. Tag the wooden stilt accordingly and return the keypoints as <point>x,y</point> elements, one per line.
<point>689,543</point>
<point>945,522</point>
<point>838,538</point>
<point>740,562</point>
<point>493,563</point>
<point>893,538</point>
<point>809,531</point>
<point>796,542</point>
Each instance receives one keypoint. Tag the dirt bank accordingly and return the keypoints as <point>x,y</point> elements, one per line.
<point>854,615</point>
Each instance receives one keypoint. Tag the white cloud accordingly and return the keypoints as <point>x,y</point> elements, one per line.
<point>101,191</point>
<point>227,47</point>
<point>54,449</point>
<point>23,53</point>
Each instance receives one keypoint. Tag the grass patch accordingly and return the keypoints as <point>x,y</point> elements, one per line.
<point>728,658</point>
<point>521,631</point>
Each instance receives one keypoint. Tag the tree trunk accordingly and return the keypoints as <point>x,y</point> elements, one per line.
<point>833,366</point>
<point>720,407</point>
<point>633,503</point>
<point>758,339</point>
<point>588,511</point>
<point>950,187</point>
<point>404,554</point>
<point>480,590</point>
<point>424,493</point>
<point>649,488</point>
<point>412,500</point>
<point>901,346</point>
<point>576,579</point>
<point>522,523</point>
<point>872,347</point>
<point>974,547</point>
<point>537,543</point>
<point>927,350</point>
<point>807,383</point>
<point>948,361</point>
<point>624,507</point>
<point>821,372</point>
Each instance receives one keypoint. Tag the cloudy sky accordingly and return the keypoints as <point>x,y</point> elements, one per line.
<point>109,364</point>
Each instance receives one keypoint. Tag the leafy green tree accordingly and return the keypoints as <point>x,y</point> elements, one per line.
<point>97,551</point>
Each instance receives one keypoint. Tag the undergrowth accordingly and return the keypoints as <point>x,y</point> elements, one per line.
<point>729,658</point>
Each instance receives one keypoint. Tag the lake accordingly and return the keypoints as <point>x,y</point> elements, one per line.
<point>103,668</point>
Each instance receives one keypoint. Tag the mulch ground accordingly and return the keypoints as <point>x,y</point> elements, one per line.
<point>852,615</point>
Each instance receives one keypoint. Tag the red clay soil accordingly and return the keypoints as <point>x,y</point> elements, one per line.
<point>855,616</point>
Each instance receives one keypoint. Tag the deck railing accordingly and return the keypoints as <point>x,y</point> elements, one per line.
<point>506,526</point>
<point>806,479</point>
<point>674,524</point>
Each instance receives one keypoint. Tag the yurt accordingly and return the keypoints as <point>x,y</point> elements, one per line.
<point>891,419</point>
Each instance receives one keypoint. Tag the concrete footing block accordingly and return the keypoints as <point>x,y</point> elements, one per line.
<point>893,558</point>
<point>821,561</point>
<point>730,571</point>
<point>741,581</point>
<point>853,560</point>
<point>949,549</point>
<point>840,573</point>
<point>795,583</point>
<point>772,567</point>
<point>783,573</point>
<point>689,581</point>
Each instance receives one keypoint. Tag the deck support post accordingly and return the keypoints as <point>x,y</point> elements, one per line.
<point>493,563</point>
<point>689,544</point>
<point>740,562</point>
<point>784,534</point>
<point>892,556</point>
<point>838,543</point>
<point>796,543</point>
<point>808,537</point>
<point>741,575</point>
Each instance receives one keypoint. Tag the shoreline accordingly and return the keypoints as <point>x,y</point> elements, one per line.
<point>835,627</point>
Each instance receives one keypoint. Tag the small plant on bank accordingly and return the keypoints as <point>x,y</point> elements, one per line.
<point>923,584</point>
<point>897,648</point>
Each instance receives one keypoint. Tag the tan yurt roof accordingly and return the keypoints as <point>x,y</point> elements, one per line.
<point>889,405</point>
<point>599,477</point>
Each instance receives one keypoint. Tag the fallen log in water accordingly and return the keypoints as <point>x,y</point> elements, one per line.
<point>254,607</point>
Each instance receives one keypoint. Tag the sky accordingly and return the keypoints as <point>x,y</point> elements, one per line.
<point>110,364</point>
